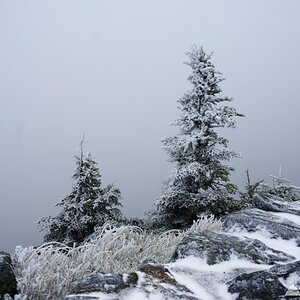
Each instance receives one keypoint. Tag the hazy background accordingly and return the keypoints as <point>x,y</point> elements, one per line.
<point>113,69</point>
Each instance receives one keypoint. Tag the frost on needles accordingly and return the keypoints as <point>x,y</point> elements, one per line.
<point>87,207</point>
<point>200,180</point>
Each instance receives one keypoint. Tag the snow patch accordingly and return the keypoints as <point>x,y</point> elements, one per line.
<point>287,246</point>
<point>193,286</point>
<point>201,265</point>
<point>289,281</point>
<point>209,281</point>
<point>293,218</point>
<point>137,294</point>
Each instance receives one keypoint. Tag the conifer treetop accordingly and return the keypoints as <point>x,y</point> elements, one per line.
<point>88,206</point>
<point>198,151</point>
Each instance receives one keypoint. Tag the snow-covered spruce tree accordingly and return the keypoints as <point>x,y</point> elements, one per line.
<point>86,207</point>
<point>200,181</point>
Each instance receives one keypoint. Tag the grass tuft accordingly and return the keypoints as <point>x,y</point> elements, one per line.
<point>51,270</point>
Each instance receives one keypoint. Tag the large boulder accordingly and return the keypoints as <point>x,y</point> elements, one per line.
<point>252,220</point>
<point>158,272</point>
<point>153,278</point>
<point>8,283</point>
<point>257,285</point>
<point>217,247</point>
<point>159,277</point>
<point>266,284</point>
<point>106,283</point>
<point>276,204</point>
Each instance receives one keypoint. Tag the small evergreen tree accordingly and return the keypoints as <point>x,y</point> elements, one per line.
<point>281,187</point>
<point>200,181</point>
<point>87,206</point>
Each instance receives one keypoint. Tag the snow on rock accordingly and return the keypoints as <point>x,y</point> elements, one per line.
<point>292,218</point>
<point>216,247</point>
<point>257,285</point>
<point>288,274</point>
<point>276,204</point>
<point>107,283</point>
<point>257,257</point>
<point>155,282</point>
<point>209,281</point>
<point>252,220</point>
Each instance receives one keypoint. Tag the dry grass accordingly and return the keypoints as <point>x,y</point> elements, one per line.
<point>51,270</point>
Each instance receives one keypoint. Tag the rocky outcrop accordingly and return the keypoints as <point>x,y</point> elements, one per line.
<point>159,277</point>
<point>266,284</point>
<point>276,204</point>
<point>158,272</point>
<point>286,271</point>
<point>257,285</point>
<point>217,247</point>
<point>214,265</point>
<point>252,220</point>
<point>106,283</point>
<point>8,283</point>
<point>153,277</point>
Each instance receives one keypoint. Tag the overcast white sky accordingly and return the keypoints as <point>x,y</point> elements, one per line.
<point>113,69</point>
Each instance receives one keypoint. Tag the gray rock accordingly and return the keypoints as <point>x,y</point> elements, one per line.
<point>287,270</point>
<point>217,247</point>
<point>253,219</point>
<point>257,285</point>
<point>155,278</point>
<point>276,204</point>
<point>8,283</point>
<point>106,283</point>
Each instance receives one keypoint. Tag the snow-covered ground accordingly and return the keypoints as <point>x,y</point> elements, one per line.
<point>290,217</point>
<point>208,282</point>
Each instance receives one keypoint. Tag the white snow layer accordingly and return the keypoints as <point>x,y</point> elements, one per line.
<point>208,282</point>
<point>287,246</point>
<point>292,218</point>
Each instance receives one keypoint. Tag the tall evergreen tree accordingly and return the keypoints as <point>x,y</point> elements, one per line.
<point>87,206</point>
<point>200,180</point>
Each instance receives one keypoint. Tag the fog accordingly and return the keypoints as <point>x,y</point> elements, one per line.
<point>113,70</point>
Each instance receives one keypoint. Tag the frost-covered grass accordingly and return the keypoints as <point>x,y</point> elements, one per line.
<point>51,270</point>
